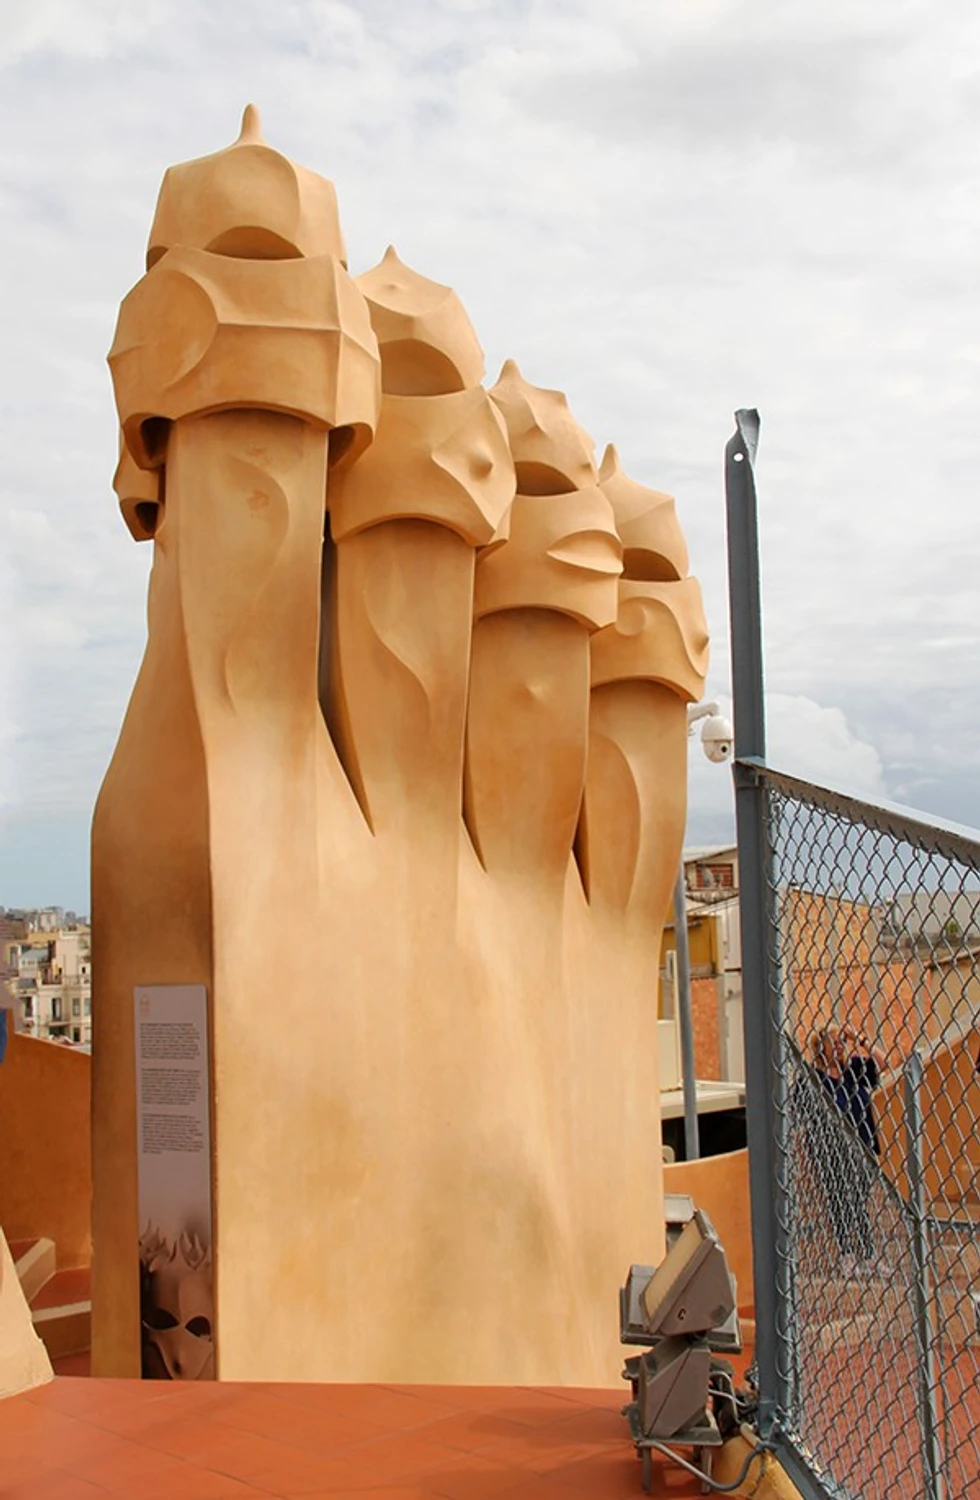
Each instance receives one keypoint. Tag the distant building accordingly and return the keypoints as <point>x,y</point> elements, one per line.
<point>49,976</point>
<point>714,946</point>
<point>13,931</point>
<point>933,919</point>
<point>48,919</point>
<point>714,951</point>
<point>711,873</point>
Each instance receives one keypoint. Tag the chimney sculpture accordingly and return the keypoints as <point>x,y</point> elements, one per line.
<point>382,858</point>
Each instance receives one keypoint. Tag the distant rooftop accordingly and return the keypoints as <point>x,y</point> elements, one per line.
<point>699,853</point>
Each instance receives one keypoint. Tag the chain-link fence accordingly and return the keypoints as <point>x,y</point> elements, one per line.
<point>861,987</point>
<point>872,930</point>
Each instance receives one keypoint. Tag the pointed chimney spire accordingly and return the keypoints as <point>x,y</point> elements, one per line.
<point>248,204</point>
<point>251,130</point>
<point>610,465</point>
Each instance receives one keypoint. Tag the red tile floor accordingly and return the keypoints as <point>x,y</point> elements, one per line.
<point>81,1439</point>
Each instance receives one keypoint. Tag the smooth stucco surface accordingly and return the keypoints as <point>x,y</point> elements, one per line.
<point>45,1146</point>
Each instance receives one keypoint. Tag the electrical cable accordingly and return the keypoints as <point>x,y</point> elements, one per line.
<point>761,1449</point>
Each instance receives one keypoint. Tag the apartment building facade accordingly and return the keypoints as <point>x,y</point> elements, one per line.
<point>47,974</point>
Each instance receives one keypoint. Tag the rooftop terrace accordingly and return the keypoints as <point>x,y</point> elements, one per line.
<point>80,1439</point>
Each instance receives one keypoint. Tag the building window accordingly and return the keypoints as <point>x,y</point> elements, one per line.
<point>56,1010</point>
<point>29,1010</point>
<point>88,1008</point>
<point>76,1008</point>
<point>76,1033</point>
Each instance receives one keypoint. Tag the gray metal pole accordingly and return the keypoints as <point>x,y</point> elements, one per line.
<point>922,1291</point>
<point>692,1144</point>
<point>744,591</point>
<point>760,996</point>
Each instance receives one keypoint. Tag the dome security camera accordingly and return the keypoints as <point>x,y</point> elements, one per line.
<point>717,739</point>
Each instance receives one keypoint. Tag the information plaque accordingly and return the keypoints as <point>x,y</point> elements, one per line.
<point>173,1105</point>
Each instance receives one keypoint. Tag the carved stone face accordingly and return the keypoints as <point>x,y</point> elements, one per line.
<point>563,554</point>
<point>654,550</point>
<point>428,344</point>
<point>552,453</point>
<point>435,458</point>
<point>176,1308</point>
<point>204,333</point>
<point>659,635</point>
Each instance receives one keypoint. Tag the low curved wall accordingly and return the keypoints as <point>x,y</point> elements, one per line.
<point>45,1146</point>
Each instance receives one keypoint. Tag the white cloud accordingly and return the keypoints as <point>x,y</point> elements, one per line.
<point>11,694</point>
<point>96,29</point>
<point>816,743</point>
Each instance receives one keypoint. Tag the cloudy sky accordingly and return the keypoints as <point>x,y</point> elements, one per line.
<point>668,208</point>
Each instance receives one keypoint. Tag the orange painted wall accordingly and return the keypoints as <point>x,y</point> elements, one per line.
<point>720,1185</point>
<point>839,973</point>
<point>45,1146</point>
<point>950,1109</point>
<point>891,1002</point>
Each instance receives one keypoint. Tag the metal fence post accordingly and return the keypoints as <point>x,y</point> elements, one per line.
<point>922,1289</point>
<point>759,984</point>
<point>685,1020</point>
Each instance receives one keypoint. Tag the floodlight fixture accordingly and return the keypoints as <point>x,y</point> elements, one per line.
<point>691,1291</point>
<point>691,1286</point>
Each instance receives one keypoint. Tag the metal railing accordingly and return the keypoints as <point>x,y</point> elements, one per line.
<point>861,981</point>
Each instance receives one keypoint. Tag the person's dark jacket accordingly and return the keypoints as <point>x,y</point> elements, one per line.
<point>851,1092</point>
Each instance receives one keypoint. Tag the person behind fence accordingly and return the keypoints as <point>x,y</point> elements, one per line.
<point>848,1070</point>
